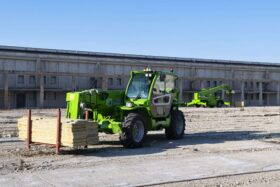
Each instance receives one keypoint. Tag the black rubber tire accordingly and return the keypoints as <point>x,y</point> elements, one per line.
<point>220,104</point>
<point>126,136</point>
<point>171,132</point>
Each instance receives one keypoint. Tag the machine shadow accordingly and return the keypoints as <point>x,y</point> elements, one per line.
<point>157,143</point>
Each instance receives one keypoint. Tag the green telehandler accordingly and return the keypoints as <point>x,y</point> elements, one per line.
<point>208,97</point>
<point>149,102</point>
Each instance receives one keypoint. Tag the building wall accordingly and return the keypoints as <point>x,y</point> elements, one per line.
<point>41,78</point>
<point>1,99</point>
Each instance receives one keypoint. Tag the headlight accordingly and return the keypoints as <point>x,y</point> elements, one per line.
<point>129,104</point>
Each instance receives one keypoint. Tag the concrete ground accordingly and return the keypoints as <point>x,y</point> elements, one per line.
<point>222,147</point>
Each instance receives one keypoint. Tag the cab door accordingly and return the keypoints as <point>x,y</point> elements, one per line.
<point>162,95</point>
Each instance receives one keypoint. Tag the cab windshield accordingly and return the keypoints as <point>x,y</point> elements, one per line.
<point>139,87</point>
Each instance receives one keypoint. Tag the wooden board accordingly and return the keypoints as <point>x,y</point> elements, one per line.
<point>74,133</point>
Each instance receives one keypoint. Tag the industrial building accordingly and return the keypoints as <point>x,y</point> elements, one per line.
<point>33,77</point>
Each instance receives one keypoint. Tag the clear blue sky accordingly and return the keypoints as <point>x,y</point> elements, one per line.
<point>218,29</point>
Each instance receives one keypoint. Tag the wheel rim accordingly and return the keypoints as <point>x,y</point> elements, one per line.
<point>179,125</point>
<point>138,131</point>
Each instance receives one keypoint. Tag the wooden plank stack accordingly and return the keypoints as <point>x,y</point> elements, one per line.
<point>74,133</point>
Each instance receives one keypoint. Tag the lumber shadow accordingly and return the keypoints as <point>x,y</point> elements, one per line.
<point>156,143</point>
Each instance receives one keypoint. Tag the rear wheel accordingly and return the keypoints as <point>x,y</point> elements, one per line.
<point>177,125</point>
<point>133,131</point>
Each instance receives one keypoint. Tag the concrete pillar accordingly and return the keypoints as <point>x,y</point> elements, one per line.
<point>232,96</point>
<point>74,83</point>
<point>232,99</point>
<point>104,85</point>
<point>267,99</point>
<point>180,83</point>
<point>254,99</point>
<point>6,91</point>
<point>242,91</point>
<point>255,86</point>
<point>261,94</point>
<point>278,93</point>
<point>223,91</point>
<point>202,84</point>
<point>42,91</point>
<point>231,78</point>
<point>40,68</point>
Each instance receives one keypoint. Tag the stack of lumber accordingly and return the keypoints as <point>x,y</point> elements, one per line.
<point>74,133</point>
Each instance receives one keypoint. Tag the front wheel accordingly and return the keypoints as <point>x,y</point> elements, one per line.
<point>133,131</point>
<point>177,126</point>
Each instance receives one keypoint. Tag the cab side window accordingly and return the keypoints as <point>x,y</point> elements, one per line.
<point>159,87</point>
<point>169,83</point>
<point>163,85</point>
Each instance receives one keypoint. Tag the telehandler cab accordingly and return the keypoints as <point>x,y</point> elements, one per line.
<point>150,102</point>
